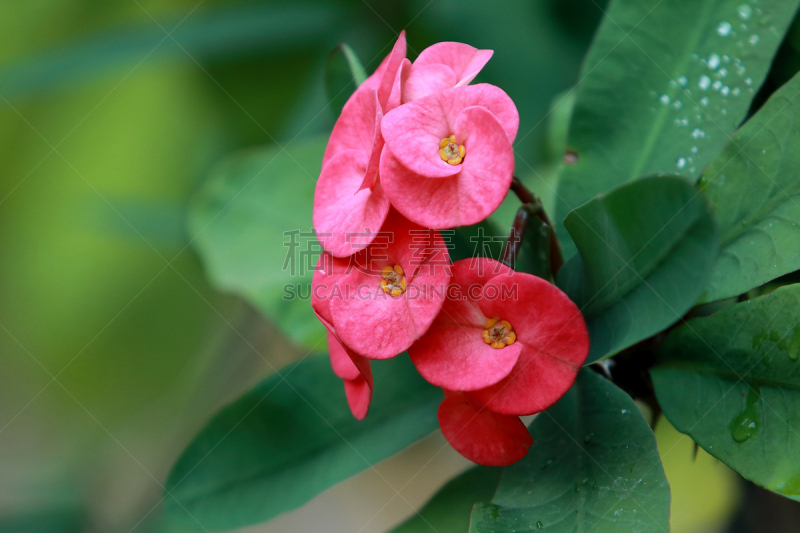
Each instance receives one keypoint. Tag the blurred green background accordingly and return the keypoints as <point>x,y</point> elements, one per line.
<point>114,349</point>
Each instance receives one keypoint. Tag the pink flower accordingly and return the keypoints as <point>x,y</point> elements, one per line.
<point>514,341</point>
<point>481,435</point>
<point>443,66</point>
<point>349,199</point>
<point>449,159</point>
<point>385,297</point>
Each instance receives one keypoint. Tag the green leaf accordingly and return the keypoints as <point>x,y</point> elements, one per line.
<point>755,189</point>
<point>731,381</point>
<point>214,34</point>
<point>292,437</point>
<point>593,464</point>
<point>449,509</point>
<point>648,101</point>
<point>343,74</point>
<point>483,239</point>
<point>251,225</point>
<point>646,251</point>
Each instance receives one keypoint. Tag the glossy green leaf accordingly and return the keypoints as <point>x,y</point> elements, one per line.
<point>292,437</point>
<point>731,381</point>
<point>646,251</point>
<point>663,87</point>
<point>593,466</point>
<point>211,35</point>
<point>251,224</point>
<point>754,186</point>
<point>343,74</point>
<point>449,509</point>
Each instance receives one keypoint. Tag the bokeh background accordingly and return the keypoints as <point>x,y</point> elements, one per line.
<point>114,348</point>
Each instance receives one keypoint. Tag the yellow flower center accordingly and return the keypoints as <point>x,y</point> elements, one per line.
<point>394,280</point>
<point>450,151</point>
<point>498,333</point>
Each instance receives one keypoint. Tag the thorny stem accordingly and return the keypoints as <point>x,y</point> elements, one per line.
<point>531,205</point>
<point>525,196</point>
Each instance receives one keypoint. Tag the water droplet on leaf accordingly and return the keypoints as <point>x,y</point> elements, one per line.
<point>745,11</point>
<point>746,424</point>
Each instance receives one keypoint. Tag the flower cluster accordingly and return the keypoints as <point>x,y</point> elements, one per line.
<point>416,150</point>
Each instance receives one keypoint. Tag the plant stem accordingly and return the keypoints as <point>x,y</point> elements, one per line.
<point>533,206</point>
<point>515,236</point>
<point>523,193</point>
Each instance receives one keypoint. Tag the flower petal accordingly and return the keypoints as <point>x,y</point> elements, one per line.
<point>358,127</point>
<point>428,79</point>
<point>465,61</point>
<point>413,132</point>
<point>371,175</point>
<point>480,435</point>
<point>342,210</point>
<point>356,373</point>
<point>327,273</point>
<point>553,336</point>
<point>341,363</point>
<point>492,98</point>
<point>375,324</point>
<point>359,397</point>
<point>466,198</point>
<point>453,354</point>
<point>390,75</point>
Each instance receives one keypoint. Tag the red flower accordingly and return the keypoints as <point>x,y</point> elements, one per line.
<point>513,342</point>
